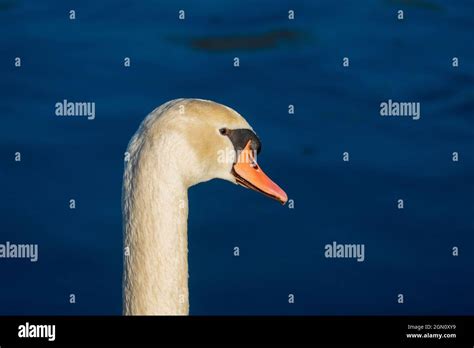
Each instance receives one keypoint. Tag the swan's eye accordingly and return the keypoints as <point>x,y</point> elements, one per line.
<point>224,131</point>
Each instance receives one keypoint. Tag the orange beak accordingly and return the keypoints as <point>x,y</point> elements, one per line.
<point>248,174</point>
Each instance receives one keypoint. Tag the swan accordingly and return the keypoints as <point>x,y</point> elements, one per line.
<point>179,144</point>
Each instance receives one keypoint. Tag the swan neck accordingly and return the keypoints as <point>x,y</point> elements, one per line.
<point>155,219</point>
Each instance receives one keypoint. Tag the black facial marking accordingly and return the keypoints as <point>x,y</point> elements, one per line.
<point>240,138</point>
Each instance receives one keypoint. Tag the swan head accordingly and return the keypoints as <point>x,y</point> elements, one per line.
<point>219,143</point>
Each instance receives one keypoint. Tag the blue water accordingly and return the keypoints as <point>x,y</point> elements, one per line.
<point>407,251</point>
